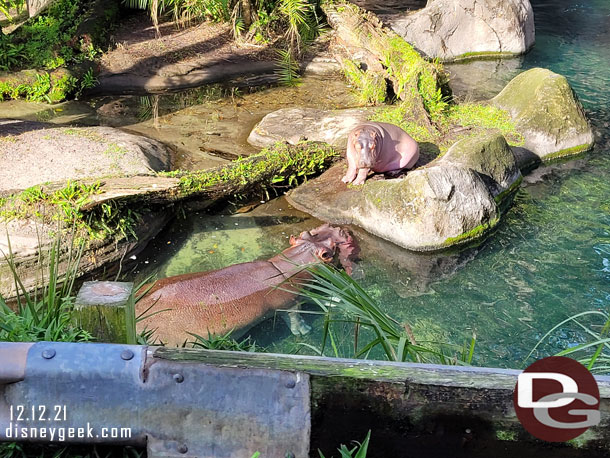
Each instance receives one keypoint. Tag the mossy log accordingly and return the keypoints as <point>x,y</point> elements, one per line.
<point>413,79</point>
<point>136,208</point>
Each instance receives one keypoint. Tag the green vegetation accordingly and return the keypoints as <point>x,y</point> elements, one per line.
<point>472,234</point>
<point>358,451</point>
<point>45,314</point>
<point>343,300</point>
<point>274,169</point>
<point>47,42</point>
<point>290,24</point>
<point>66,205</point>
<point>266,170</point>
<point>371,88</point>
<point>594,353</point>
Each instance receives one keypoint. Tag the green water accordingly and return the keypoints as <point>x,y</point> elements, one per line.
<point>549,258</point>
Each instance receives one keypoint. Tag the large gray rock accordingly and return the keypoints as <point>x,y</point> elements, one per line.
<point>452,200</point>
<point>431,208</point>
<point>32,153</point>
<point>295,124</point>
<point>490,157</point>
<point>458,29</point>
<point>548,114</point>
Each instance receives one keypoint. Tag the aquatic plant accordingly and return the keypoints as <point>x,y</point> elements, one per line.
<point>358,451</point>
<point>593,353</point>
<point>344,300</point>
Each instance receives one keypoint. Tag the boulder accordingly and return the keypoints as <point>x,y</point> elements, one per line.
<point>548,114</point>
<point>490,157</point>
<point>454,199</point>
<point>61,153</point>
<point>433,207</point>
<point>295,124</point>
<point>460,29</point>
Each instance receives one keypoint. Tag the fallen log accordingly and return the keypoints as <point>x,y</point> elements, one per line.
<point>116,217</point>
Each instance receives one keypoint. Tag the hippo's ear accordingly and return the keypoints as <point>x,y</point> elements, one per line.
<point>348,252</point>
<point>293,240</point>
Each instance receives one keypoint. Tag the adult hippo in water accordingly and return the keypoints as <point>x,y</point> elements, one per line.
<point>239,296</point>
<point>380,147</point>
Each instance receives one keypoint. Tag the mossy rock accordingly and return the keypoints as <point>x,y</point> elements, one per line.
<point>547,112</point>
<point>432,208</point>
<point>490,157</point>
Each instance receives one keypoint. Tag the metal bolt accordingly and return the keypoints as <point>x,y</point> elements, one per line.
<point>183,448</point>
<point>291,384</point>
<point>49,353</point>
<point>126,355</point>
<point>179,378</point>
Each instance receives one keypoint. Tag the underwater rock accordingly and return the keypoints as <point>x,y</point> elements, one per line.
<point>461,29</point>
<point>547,112</point>
<point>32,153</point>
<point>452,200</point>
<point>295,124</point>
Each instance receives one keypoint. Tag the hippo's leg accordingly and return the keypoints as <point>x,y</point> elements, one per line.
<point>295,322</point>
<point>361,178</point>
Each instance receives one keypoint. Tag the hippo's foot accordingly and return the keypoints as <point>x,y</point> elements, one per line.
<point>297,325</point>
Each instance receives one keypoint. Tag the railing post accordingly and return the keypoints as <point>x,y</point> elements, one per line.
<point>105,309</point>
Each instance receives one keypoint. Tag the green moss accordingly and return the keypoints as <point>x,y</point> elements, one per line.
<point>269,166</point>
<point>504,435</point>
<point>482,55</point>
<point>117,219</point>
<point>484,116</point>
<point>472,234</point>
<point>371,88</point>
<point>399,115</point>
<point>507,192</point>
<point>573,151</point>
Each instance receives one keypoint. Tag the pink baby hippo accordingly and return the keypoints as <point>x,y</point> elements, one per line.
<point>380,147</point>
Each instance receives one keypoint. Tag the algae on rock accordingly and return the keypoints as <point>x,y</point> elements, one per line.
<point>547,112</point>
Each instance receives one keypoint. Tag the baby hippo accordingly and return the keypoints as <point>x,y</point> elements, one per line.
<point>380,147</point>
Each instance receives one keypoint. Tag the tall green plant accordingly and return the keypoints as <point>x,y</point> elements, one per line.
<point>44,314</point>
<point>343,300</point>
<point>595,352</point>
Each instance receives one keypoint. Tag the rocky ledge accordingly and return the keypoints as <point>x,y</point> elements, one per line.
<point>33,153</point>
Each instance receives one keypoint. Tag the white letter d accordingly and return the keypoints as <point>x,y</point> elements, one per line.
<point>525,392</point>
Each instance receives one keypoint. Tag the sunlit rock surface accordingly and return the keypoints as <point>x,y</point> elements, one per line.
<point>459,29</point>
<point>451,200</point>
<point>548,114</point>
<point>295,124</point>
<point>32,153</point>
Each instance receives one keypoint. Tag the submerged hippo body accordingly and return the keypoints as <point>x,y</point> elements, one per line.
<point>239,296</point>
<point>380,147</point>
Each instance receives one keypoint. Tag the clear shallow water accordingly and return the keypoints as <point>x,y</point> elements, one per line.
<point>550,258</point>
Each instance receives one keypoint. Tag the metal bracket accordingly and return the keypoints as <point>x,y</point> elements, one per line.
<point>181,409</point>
